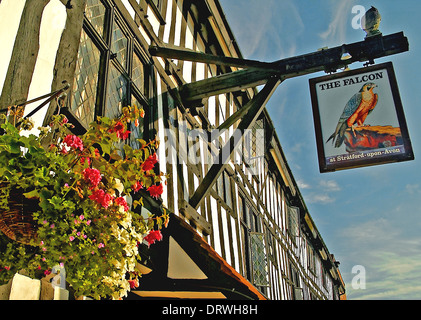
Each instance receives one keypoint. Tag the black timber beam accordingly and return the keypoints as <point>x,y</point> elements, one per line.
<point>179,53</point>
<point>257,73</point>
<point>254,107</point>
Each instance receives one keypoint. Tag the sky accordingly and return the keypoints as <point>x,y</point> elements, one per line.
<point>368,217</point>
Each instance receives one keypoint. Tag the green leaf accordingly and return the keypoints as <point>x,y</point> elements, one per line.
<point>31,194</point>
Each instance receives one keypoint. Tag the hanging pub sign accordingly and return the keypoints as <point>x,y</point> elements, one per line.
<point>359,119</point>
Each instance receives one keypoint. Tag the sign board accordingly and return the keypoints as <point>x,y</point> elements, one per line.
<point>359,119</point>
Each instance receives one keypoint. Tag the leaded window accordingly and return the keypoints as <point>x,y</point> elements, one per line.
<point>119,44</point>
<point>85,82</point>
<point>111,72</point>
<point>293,222</point>
<point>254,245</point>
<point>259,259</point>
<point>95,13</point>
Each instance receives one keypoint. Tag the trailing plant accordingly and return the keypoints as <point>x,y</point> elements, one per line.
<point>88,218</point>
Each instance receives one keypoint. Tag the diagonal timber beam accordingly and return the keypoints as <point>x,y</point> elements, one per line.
<point>255,107</point>
<point>325,60</point>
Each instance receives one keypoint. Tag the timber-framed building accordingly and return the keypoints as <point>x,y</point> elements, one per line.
<point>239,227</point>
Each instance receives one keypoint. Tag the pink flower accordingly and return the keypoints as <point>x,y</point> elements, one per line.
<point>88,222</point>
<point>71,238</point>
<point>83,159</point>
<point>102,198</point>
<point>73,141</point>
<point>121,202</point>
<point>81,217</point>
<point>154,235</point>
<point>149,163</point>
<point>101,245</point>
<point>52,226</point>
<point>93,176</point>
<point>156,191</point>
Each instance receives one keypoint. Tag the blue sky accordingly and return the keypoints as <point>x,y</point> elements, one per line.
<point>369,216</point>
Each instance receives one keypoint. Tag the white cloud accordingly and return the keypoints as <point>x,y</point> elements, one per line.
<point>323,194</point>
<point>320,198</point>
<point>329,185</point>
<point>336,32</point>
<point>265,30</point>
<point>413,188</point>
<point>391,259</point>
<point>303,185</point>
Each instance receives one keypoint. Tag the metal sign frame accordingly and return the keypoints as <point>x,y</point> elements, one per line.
<point>380,133</point>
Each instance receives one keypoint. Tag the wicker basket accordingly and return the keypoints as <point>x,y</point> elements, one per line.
<point>17,223</point>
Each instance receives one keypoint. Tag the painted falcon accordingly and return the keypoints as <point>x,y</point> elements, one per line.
<point>355,112</point>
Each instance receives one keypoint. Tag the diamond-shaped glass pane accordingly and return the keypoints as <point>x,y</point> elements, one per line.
<point>86,80</point>
<point>259,260</point>
<point>136,131</point>
<point>95,12</point>
<point>138,74</point>
<point>116,93</point>
<point>119,45</point>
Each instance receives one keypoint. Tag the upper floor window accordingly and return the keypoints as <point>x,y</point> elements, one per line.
<point>111,72</point>
<point>254,246</point>
<point>293,222</point>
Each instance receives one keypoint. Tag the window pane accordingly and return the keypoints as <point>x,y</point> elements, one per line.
<point>95,12</point>
<point>86,80</point>
<point>116,93</point>
<point>136,132</point>
<point>293,222</point>
<point>138,74</point>
<point>258,253</point>
<point>119,45</point>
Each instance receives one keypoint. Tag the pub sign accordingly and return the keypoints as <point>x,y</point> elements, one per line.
<point>359,119</point>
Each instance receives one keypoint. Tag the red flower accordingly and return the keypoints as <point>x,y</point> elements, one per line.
<point>101,198</point>
<point>149,163</point>
<point>93,176</point>
<point>121,202</point>
<point>154,235</point>
<point>156,191</point>
<point>73,141</point>
<point>133,283</point>
<point>137,186</point>
<point>119,129</point>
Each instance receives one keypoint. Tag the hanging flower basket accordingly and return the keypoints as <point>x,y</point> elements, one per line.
<point>17,222</point>
<point>74,201</point>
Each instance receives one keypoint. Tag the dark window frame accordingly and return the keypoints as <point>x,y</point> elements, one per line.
<point>109,62</point>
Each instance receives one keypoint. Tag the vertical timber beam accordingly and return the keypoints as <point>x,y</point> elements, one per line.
<point>66,58</point>
<point>24,55</point>
<point>257,104</point>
